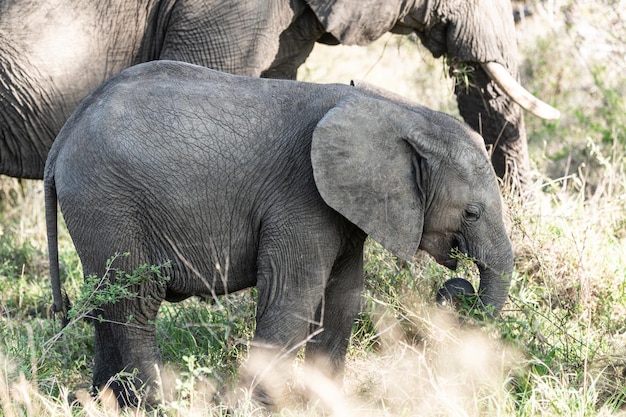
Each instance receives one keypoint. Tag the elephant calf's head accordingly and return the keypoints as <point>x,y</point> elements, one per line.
<point>414,178</point>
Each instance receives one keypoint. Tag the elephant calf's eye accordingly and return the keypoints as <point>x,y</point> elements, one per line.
<point>472,213</point>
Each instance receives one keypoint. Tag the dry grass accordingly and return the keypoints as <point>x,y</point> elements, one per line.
<point>559,347</point>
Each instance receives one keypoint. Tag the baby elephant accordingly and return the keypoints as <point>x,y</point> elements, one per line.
<point>242,182</point>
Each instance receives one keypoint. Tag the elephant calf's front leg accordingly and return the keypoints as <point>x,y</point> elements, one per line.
<point>291,276</point>
<point>336,314</point>
<point>280,333</point>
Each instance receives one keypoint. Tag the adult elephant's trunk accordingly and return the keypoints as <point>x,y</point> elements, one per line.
<point>499,119</point>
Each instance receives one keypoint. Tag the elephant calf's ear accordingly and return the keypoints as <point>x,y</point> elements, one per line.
<point>363,169</point>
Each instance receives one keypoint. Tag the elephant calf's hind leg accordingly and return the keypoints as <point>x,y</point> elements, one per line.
<point>127,359</point>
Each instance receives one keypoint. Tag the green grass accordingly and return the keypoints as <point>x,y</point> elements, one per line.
<point>559,347</point>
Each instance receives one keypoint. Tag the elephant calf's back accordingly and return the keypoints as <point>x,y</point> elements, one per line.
<point>166,167</point>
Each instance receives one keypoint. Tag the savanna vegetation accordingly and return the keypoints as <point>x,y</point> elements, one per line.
<point>559,347</point>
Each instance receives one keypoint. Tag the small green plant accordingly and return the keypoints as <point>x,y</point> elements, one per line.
<point>115,285</point>
<point>191,381</point>
<point>462,73</point>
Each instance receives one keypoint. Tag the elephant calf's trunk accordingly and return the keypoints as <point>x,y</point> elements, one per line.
<point>494,288</point>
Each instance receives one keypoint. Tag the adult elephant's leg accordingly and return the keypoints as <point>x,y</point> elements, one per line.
<point>501,123</point>
<point>295,44</point>
<point>270,39</point>
<point>337,312</point>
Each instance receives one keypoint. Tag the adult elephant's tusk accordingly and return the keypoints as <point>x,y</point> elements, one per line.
<point>519,94</point>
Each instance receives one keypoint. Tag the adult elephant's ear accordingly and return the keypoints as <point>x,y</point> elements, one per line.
<point>366,170</point>
<point>356,22</point>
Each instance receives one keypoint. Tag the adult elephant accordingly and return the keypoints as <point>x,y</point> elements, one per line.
<point>54,53</point>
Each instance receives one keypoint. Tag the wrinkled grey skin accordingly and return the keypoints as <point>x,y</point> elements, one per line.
<point>54,53</point>
<point>246,182</point>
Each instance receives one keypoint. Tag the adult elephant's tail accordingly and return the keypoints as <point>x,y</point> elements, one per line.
<point>60,302</point>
